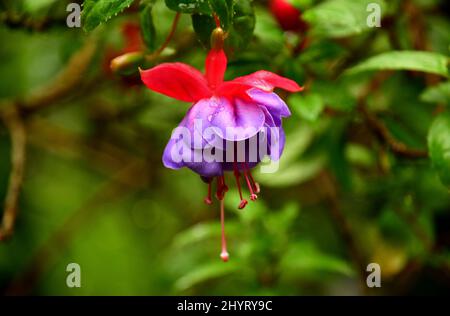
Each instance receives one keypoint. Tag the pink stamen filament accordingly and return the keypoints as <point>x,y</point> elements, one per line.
<point>257,188</point>
<point>224,187</point>
<point>253,196</point>
<point>221,188</point>
<point>237,175</point>
<point>224,254</point>
<point>255,184</point>
<point>208,199</point>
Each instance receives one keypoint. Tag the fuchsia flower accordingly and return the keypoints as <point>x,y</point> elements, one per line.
<point>246,106</point>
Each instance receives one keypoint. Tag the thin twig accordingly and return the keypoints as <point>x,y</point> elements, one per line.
<point>416,25</point>
<point>383,132</point>
<point>377,126</point>
<point>16,128</point>
<point>418,34</point>
<point>166,42</point>
<point>103,156</point>
<point>14,20</point>
<point>328,185</point>
<point>12,112</point>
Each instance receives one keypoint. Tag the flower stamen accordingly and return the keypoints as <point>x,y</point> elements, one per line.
<point>208,199</point>
<point>237,175</point>
<point>255,184</point>
<point>253,196</point>
<point>222,188</point>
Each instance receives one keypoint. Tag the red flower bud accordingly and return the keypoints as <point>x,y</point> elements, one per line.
<point>288,16</point>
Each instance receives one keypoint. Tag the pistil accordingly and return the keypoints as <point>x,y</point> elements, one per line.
<point>224,254</point>
<point>255,184</point>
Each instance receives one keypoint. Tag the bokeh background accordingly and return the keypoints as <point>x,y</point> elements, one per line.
<point>356,183</point>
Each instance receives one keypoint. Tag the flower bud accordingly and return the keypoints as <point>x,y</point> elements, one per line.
<point>127,63</point>
<point>217,38</point>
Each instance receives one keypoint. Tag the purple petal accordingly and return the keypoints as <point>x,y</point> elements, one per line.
<point>196,125</point>
<point>178,154</point>
<point>199,121</point>
<point>178,150</point>
<point>276,141</point>
<point>271,101</point>
<point>206,169</point>
<point>270,119</point>
<point>237,121</point>
<point>168,157</point>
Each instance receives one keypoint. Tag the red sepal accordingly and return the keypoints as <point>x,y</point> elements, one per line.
<point>267,81</point>
<point>178,81</point>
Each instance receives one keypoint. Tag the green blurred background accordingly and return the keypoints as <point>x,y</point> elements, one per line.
<point>355,183</point>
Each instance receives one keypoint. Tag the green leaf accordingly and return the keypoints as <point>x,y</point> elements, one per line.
<point>223,9</point>
<point>291,169</point>
<point>190,6</point>
<point>304,259</point>
<point>338,18</point>
<point>243,26</point>
<point>96,12</point>
<point>205,273</point>
<point>284,218</point>
<point>296,143</point>
<point>307,106</point>
<point>202,231</point>
<point>301,4</point>
<point>267,32</point>
<point>147,25</point>
<point>404,60</point>
<point>33,6</point>
<point>203,26</point>
<point>439,146</point>
<point>237,18</point>
<point>437,94</point>
<point>359,155</point>
<point>294,173</point>
<point>335,94</point>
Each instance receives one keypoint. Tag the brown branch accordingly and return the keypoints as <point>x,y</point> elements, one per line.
<point>15,125</point>
<point>328,186</point>
<point>418,34</point>
<point>377,126</point>
<point>101,155</point>
<point>416,26</point>
<point>15,20</point>
<point>47,255</point>
<point>65,82</point>
<point>12,113</point>
<point>384,134</point>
